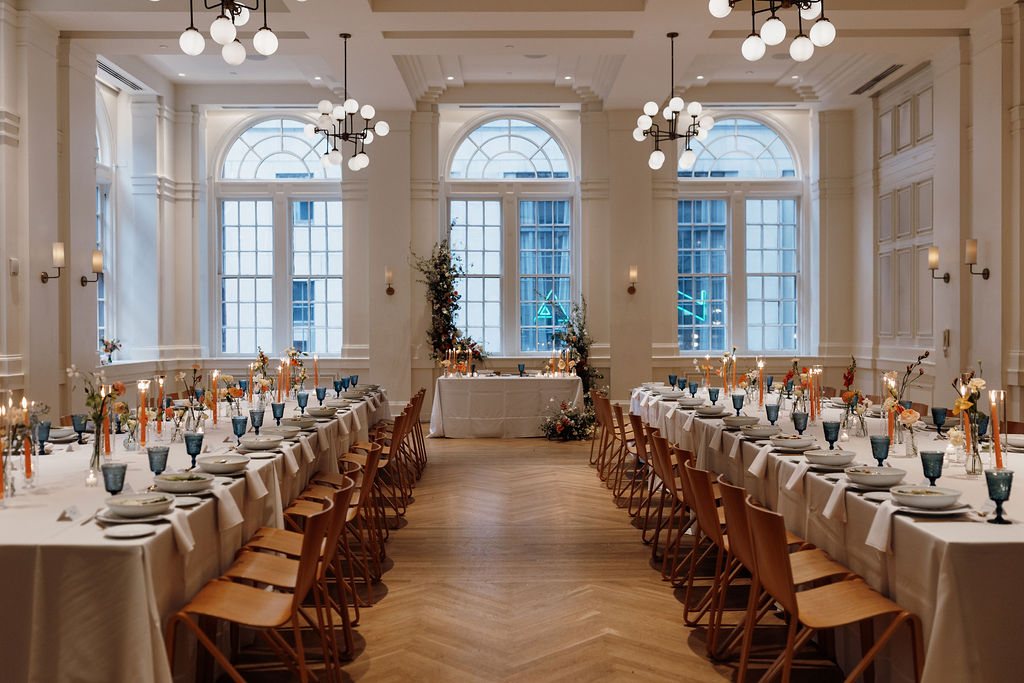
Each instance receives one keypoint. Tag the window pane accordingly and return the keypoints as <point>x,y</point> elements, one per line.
<point>277,149</point>
<point>742,148</point>
<point>316,282</point>
<point>509,148</point>
<point>476,244</point>
<point>772,273</point>
<point>700,293</point>
<point>545,300</point>
<point>246,273</point>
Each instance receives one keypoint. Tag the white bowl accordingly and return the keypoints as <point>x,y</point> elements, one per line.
<point>792,441</point>
<point>671,394</point>
<point>263,442</point>
<point>710,411</point>
<point>300,422</point>
<point>286,432</point>
<point>872,475</point>
<point>761,431</point>
<point>830,458</point>
<point>651,385</point>
<point>691,402</point>
<point>1015,440</point>
<point>927,497</point>
<point>225,463</point>
<point>140,504</point>
<point>740,420</point>
<point>325,411</point>
<point>183,482</point>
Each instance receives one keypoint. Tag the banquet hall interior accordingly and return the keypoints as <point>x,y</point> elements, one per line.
<point>511,340</point>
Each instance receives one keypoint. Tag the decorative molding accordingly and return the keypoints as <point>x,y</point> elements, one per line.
<point>595,189</point>
<point>10,129</point>
<point>355,190</point>
<point>665,188</point>
<point>428,190</point>
<point>357,352</point>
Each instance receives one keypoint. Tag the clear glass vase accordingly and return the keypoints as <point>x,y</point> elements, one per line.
<point>910,444</point>
<point>973,465</point>
<point>131,441</point>
<point>92,477</point>
<point>853,422</point>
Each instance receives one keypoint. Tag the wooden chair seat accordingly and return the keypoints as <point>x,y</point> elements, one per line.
<point>242,604</point>
<point>276,540</point>
<point>842,603</point>
<point>814,565</point>
<point>265,568</point>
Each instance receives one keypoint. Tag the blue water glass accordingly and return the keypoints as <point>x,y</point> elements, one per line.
<point>344,383</point>
<point>199,394</point>
<point>243,384</point>
<point>772,410</point>
<point>522,369</point>
<point>789,388</point>
<point>931,464</point>
<point>672,379</point>
<point>831,433</point>
<point>799,422</point>
<point>982,423</point>
<point>693,389</point>
<point>354,379</point>
<point>193,445</point>
<point>737,403</point>
<point>906,404</point>
<point>321,394</point>
<point>113,476</point>
<point>157,458</point>
<point>771,381</point>
<point>256,418</point>
<point>713,395</point>
<point>303,398</point>
<point>42,434</point>
<point>278,411</point>
<point>78,423</point>
<point>939,418</point>
<point>337,388</point>
<point>239,425</point>
<point>879,448</point>
<point>999,482</point>
<point>472,368</point>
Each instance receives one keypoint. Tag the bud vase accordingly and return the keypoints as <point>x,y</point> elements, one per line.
<point>910,445</point>
<point>974,466</point>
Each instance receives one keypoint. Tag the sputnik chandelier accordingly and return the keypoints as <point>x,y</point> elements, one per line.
<point>224,30</point>
<point>338,125</point>
<point>697,127</point>
<point>773,30</point>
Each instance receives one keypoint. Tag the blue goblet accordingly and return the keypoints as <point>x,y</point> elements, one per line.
<point>256,418</point>
<point>79,423</point>
<point>42,434</point>
<point>522,369</point>
<point>243,384</point>
<point>472,369</point>
<point>672,379</point>
<point>199,394</point>
<point>906,404</point>
<point>345,382</point>
<point>879,448</point>
<point>982,423</point>
<point>239,424</point>
<point>789,388</point>
<point>771,382</point>
<point>772,410</point>
<point>354,379</point>
<point>713,395</point>
<point>999,482</point>
<point>157,458</point>
<point>931,464</point>
<point>168,402</point>
<point>939,418</point>
<point>193,445</point>
<point>113,476</point>
<point>303,398</point>
<point>737,403</point>
<point>693,386</point>
<point>278,411</point>
<point>831,433</point>
<point>337,388</point>
<point>321,394</point>
<point>799,421</point>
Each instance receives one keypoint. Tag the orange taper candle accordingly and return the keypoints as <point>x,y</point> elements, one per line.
<point>993,395</point>
<point>27,445</point>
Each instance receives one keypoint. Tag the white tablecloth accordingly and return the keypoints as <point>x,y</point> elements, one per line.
<point>78,606</point>
<point>961,575</point>
<point>498,407</point>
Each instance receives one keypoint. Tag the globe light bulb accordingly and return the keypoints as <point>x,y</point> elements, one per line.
<point>773,31</point>
<point>325,161</point>
<point>367,112</point>
<point>668,114</point>
<point>335,157</point>
<point>719,8</point>
<point>233,53</point>
<point>823,33</point>
<point>242,18</point>
<point>309,129</point>
<point>324,122</point>
<point>368,137</point>
<point>687,159</point>
<point>801,48</point>
<point>192,42</point>
<point>353,164</point>
<point>706,122</point>
<point>222,30</point>
<point>702,134</point>
<point>676,104</point>
<point>651,108</point>
<point>638,135</point>
<point>656,160</point>
<point>753,48</point>
<point>351,106</point>
<point>694,109</point>
<point>338,113</point>
<point>364,159</point>
<point>644,122</point>
<point>324,107</point>
<point>381,128</point>
<point>811,12</point>
<point>265,41</point>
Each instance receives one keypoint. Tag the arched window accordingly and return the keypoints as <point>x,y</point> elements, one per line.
<point>280,243</point>
<point>104,220</point>
<point>744,250</point>
<point>498,225</point>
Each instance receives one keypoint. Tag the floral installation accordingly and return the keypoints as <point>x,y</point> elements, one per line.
<point>99,397</point>
<point>109,347</point>
<point>300,378</point>
<point>968,388</point>
<point>956,436</point>
<point>850,374</point>
<point>440,272</point>
<point>128,417</point>
<point>897,389</point>
<point>261,368</point>
<point>191,382</point>
<point>230,392</point>
<point>577,340</point>
<point>567,423</point>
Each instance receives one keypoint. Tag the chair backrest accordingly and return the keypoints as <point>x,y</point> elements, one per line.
<point>620,422</point>
<point>734,500</point>
<point>341,500</point>
<point>1014,427</point>
<point>682,456</point>
<point>921,408</point>
<point>398,433</point>
<point>662,462</point>
<point>703,501</point>
<point>603,410</point>
<point>312,543</point>
<point>369,473</point>
<point>639,437</point>
<point>768,532</point>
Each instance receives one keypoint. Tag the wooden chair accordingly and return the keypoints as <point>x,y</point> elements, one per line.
<point>255,608</point>
<point>921,408</point>
<point>829,392</point>
<point>827,607</point>
<point>627,467</point>
<point>601,435</point>
<point>677,508</point>
<point>1014,427</point>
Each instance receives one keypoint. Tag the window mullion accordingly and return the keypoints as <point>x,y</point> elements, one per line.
<point>282,270</point>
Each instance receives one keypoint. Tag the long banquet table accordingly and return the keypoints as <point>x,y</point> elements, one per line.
<point>505,406</point>
<point>960,575</point>
<point>78,606</point>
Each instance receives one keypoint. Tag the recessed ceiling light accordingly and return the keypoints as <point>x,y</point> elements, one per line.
<point>317,78</point>
<point>568,78</point>
<point>510,45</point>
<point>700,78</point>
<point>794,77</point>
<point>180,75</point>
<point>451,78</point>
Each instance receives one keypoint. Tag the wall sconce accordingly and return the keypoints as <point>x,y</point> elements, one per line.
<point>971,258</point>
<point>58,263</point>
<point>389,280</point>
<point>632,280</point>
<point>97,267</point>
<point>933,264</point>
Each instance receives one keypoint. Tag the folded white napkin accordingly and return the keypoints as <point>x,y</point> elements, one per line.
<point>70,448</point>
<point>760,464</point>
<point>835,508</point>
<point>228,514</point>
<point>689,421</point>
<point>735,450</point>
<point>643,400</point>
<point>323,431</point>
<point>796,480</point>
<point>880,534</point>
<point>671,412</point>
<point>182,531</point>
<point>715,443</point>
<point>290,464</point>
<point>343,423</point>
<point>355,419</point>
<point>255,487</point>
<point>307,450</point>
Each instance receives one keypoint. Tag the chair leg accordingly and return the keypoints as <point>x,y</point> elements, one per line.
<point>204,640</point>
<point>867,662</point>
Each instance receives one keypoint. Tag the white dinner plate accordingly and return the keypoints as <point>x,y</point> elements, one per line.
<point>829,468</point>
<point>108,517</point>
<point>877,496</point>
<point>129,531</point>
<point>884,490</point>
<point>63,439</point>
<point>790,449</point>
<point>187,501</point>
<point>932,512</point>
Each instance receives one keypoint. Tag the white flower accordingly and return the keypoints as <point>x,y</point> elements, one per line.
<point>977,384</point>
<point>956,436</point>
<point>888,404</point>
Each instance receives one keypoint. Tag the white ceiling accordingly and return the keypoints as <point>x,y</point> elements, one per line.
<point>614,51</point>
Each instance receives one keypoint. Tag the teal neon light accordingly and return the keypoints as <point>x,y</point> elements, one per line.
<point>546,312</point>
<point>702,302</point>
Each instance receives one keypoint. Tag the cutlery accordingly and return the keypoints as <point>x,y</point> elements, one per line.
<point>90,517</point>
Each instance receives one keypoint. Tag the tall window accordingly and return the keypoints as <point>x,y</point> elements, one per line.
<point>745,249</point>
<point>510,223</point>
<point>280,243</point>
<point>102,228</point>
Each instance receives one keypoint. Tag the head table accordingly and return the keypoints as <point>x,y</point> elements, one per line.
<point>959,574</point>
<point>79,606</point>
<point>501,407</point>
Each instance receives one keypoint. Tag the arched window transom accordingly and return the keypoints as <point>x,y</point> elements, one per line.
<point>276,149</point>
<point>509,149</point>
<point>741,148</point>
